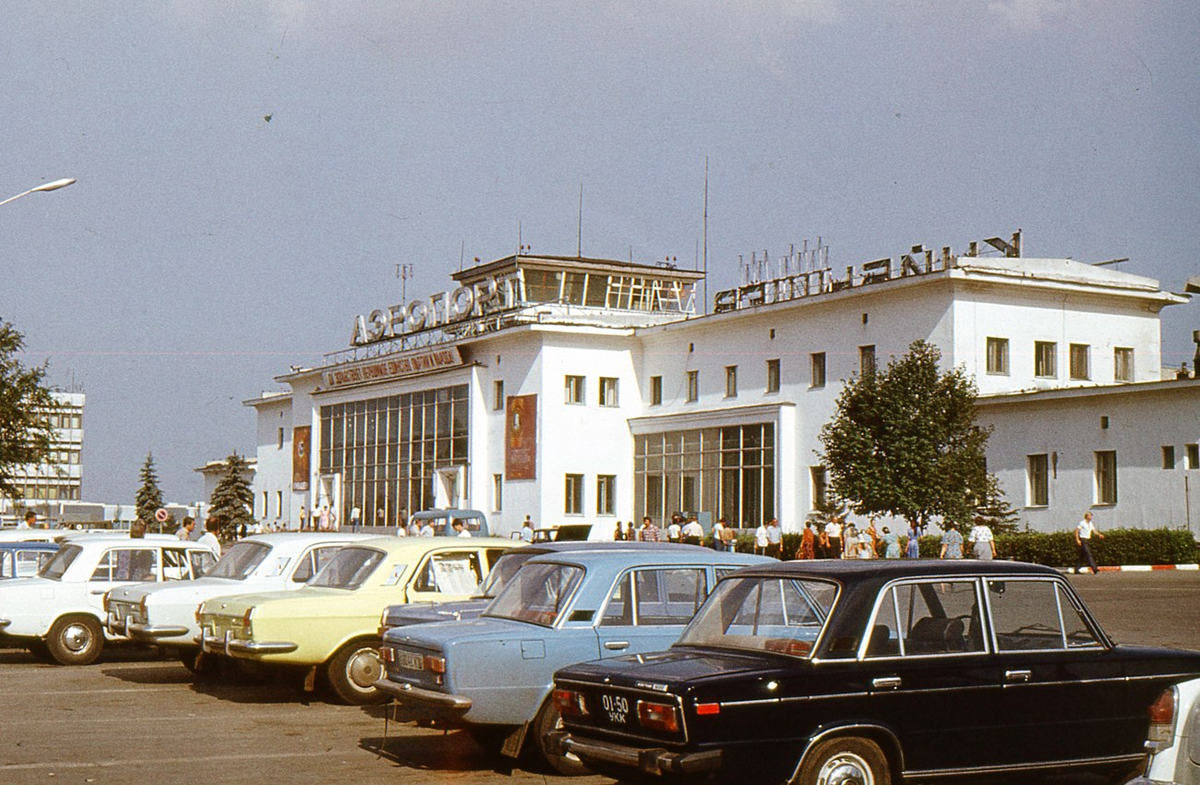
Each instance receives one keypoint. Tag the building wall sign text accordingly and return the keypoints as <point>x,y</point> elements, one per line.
<point>482,298</point>
<point>386,368</point>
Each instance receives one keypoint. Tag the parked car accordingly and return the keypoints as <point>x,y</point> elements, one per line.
<point>330,625</point>
<point>165,614</point>
<point>474,521</point>
<point>23,559</point>
<point>59,613</point>
<point>567,532</point>
<point>1174,738</point>
<point>421,613</point>
<point>492,675</point>
<point>841,671</point>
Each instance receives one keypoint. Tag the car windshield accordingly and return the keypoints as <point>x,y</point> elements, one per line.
<point>501,574</point>
<point>240,560</point>
<point>55,568</point>
<point>781,615</point>
<point>349,569</point>
<point>538,593</point>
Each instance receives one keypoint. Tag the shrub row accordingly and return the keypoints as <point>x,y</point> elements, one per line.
<point>1056,549</point>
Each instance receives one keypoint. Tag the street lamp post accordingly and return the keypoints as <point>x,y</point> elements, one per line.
<point>54,186</point>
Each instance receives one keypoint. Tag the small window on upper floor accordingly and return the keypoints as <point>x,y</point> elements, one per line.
<point>817,369</point>
<point>1168,456</point>
<point>498,395</point>
<point>997,356</point>
<point>655,390</point>
<point>866,359</point>
<point>574,389</point>
<point>1045,359</point>
<point>1080,366</point>
<point>772,376</point>
<point>730,381</point>
<point>608,391</point>
<point>1123,364</point>
<point>693,386</point>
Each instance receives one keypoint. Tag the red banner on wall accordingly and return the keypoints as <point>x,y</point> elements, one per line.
<point>520,438</point>
<point>301,465</point>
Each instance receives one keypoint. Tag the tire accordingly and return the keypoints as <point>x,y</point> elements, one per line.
<point>353,669</point>
<point>489,737</point>
<point>75,640</point>
<point>843,761</point>
<point>196,661</point>
<point>548,720</point>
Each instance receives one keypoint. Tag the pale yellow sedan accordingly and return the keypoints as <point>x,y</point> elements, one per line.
<point>331,625</point>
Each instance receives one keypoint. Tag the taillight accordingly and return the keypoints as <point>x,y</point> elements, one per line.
<point>435,664</point>
<point>387,654</point>
<point>658,716</point>
<point>1162,718</point>
<point>570,703</point>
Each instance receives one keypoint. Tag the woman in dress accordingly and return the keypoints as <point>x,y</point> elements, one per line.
<point>914,545</point>
<point>891,541</point>
<point>808,542</point>
<point>983,544</point>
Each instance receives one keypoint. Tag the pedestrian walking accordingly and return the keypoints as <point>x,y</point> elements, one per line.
<point>891,544</point>
<point>983,544</point>
<point>774,540</point>
<point>692,532</point>
<point>760,539</point>
<point>186,528</point>
<point>952,543</point>
<point>913,549</point>
<point>649,531</point>
<point>1084,531</point>
<point>808,543</point>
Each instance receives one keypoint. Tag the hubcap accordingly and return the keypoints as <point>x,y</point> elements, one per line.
<point>76,637</point>
<point>364,669</point>
<point>846,769</point>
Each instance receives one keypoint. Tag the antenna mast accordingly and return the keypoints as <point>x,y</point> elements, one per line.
<point>705,303</point>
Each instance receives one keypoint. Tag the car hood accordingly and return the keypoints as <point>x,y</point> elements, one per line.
<point>439,635</point>
<point>307,602</point>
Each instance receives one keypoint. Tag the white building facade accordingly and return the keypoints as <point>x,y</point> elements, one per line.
<point>590,391</point>
<point>45,487</point>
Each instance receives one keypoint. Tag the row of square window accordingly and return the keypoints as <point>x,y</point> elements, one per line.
<point>1045,360</point>
<point>1041,467</point>
<point>606,494</point>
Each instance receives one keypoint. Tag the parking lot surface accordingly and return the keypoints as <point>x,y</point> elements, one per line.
<point>138,717</point>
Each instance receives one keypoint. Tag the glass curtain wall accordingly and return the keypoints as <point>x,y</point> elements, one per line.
<point>388,450</point>
<point>728,471</point>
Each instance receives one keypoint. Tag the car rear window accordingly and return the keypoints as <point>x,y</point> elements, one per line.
<point>780,615</point>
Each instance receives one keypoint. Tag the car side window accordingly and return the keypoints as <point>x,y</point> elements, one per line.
<point>127,564</point>
<point>619,610</point>
<point>925,618</point>
<point>175,565</point>
<point>202,561</point>
<point>1036,615</point>
<point>312,562</point>
<point>450,572</point>
<point>6,564</point>
<point>668,596</point>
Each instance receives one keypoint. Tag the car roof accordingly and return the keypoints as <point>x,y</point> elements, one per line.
<point>306,538</point>
<point>419,545</point>
<point>28,545</point>
<point>659,553</point>
<point>850,570</point>
<point>449,513</point>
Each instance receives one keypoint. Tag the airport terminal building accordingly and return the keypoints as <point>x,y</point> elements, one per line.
<point>579,390</point>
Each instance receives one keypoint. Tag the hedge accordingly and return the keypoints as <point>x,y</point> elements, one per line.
<point>1056,549</point>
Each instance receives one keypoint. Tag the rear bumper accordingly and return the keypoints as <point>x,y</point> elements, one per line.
<point>443,703</point>
<point>653,760</point>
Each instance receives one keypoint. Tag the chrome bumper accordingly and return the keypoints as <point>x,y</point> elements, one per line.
<point>141,632</point>
<point>235,647</point>
<point>654,760</point>
<point>408,694</point>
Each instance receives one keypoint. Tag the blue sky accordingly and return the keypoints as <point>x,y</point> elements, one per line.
<point>206,247</point>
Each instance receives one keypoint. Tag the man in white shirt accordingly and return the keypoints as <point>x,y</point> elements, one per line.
<point>1084,531</point>
<point>692,532</point>
<point>760,539</point>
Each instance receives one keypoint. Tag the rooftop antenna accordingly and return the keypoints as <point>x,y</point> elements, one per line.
<point>462,253</point>
<point>579,231</point>
<point>705,303</point>
<point>519,245</point>
<point>404,272</point>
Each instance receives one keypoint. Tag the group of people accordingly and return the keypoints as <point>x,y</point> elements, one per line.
<point>839,539</point>
<point>683,530</point>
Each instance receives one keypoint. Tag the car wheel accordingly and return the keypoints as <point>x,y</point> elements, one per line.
<point>75,640</point>
<point>196,661</point>
<point>353,671</point>
<point>845,761</point>
<point>548,720</point>
<point>490,737</point>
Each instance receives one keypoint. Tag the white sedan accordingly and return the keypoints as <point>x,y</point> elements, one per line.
<point>165,614</point>
<point>1174,739</point>
<point>60,613</point>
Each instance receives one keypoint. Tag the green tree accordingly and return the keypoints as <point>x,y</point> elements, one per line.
<point>232,500</point>
<point>25,406</point>
<point>149,498</point>
<point>903,442</point>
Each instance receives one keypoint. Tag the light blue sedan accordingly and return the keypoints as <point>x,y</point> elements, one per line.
<point>493,675</point>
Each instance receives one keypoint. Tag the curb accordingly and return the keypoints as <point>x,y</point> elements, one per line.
<point>1142,568</point>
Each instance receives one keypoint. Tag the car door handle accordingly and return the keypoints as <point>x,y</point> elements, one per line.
<point>616,645</point>
<point>887,683</point>
<point>1018,675</point>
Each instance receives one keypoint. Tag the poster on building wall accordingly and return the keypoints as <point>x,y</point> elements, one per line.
<point>520,438</point>
<point>301,444</point>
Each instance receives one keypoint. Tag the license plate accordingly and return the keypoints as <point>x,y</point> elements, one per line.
<point>410,661</point>
<point>615,708</point>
